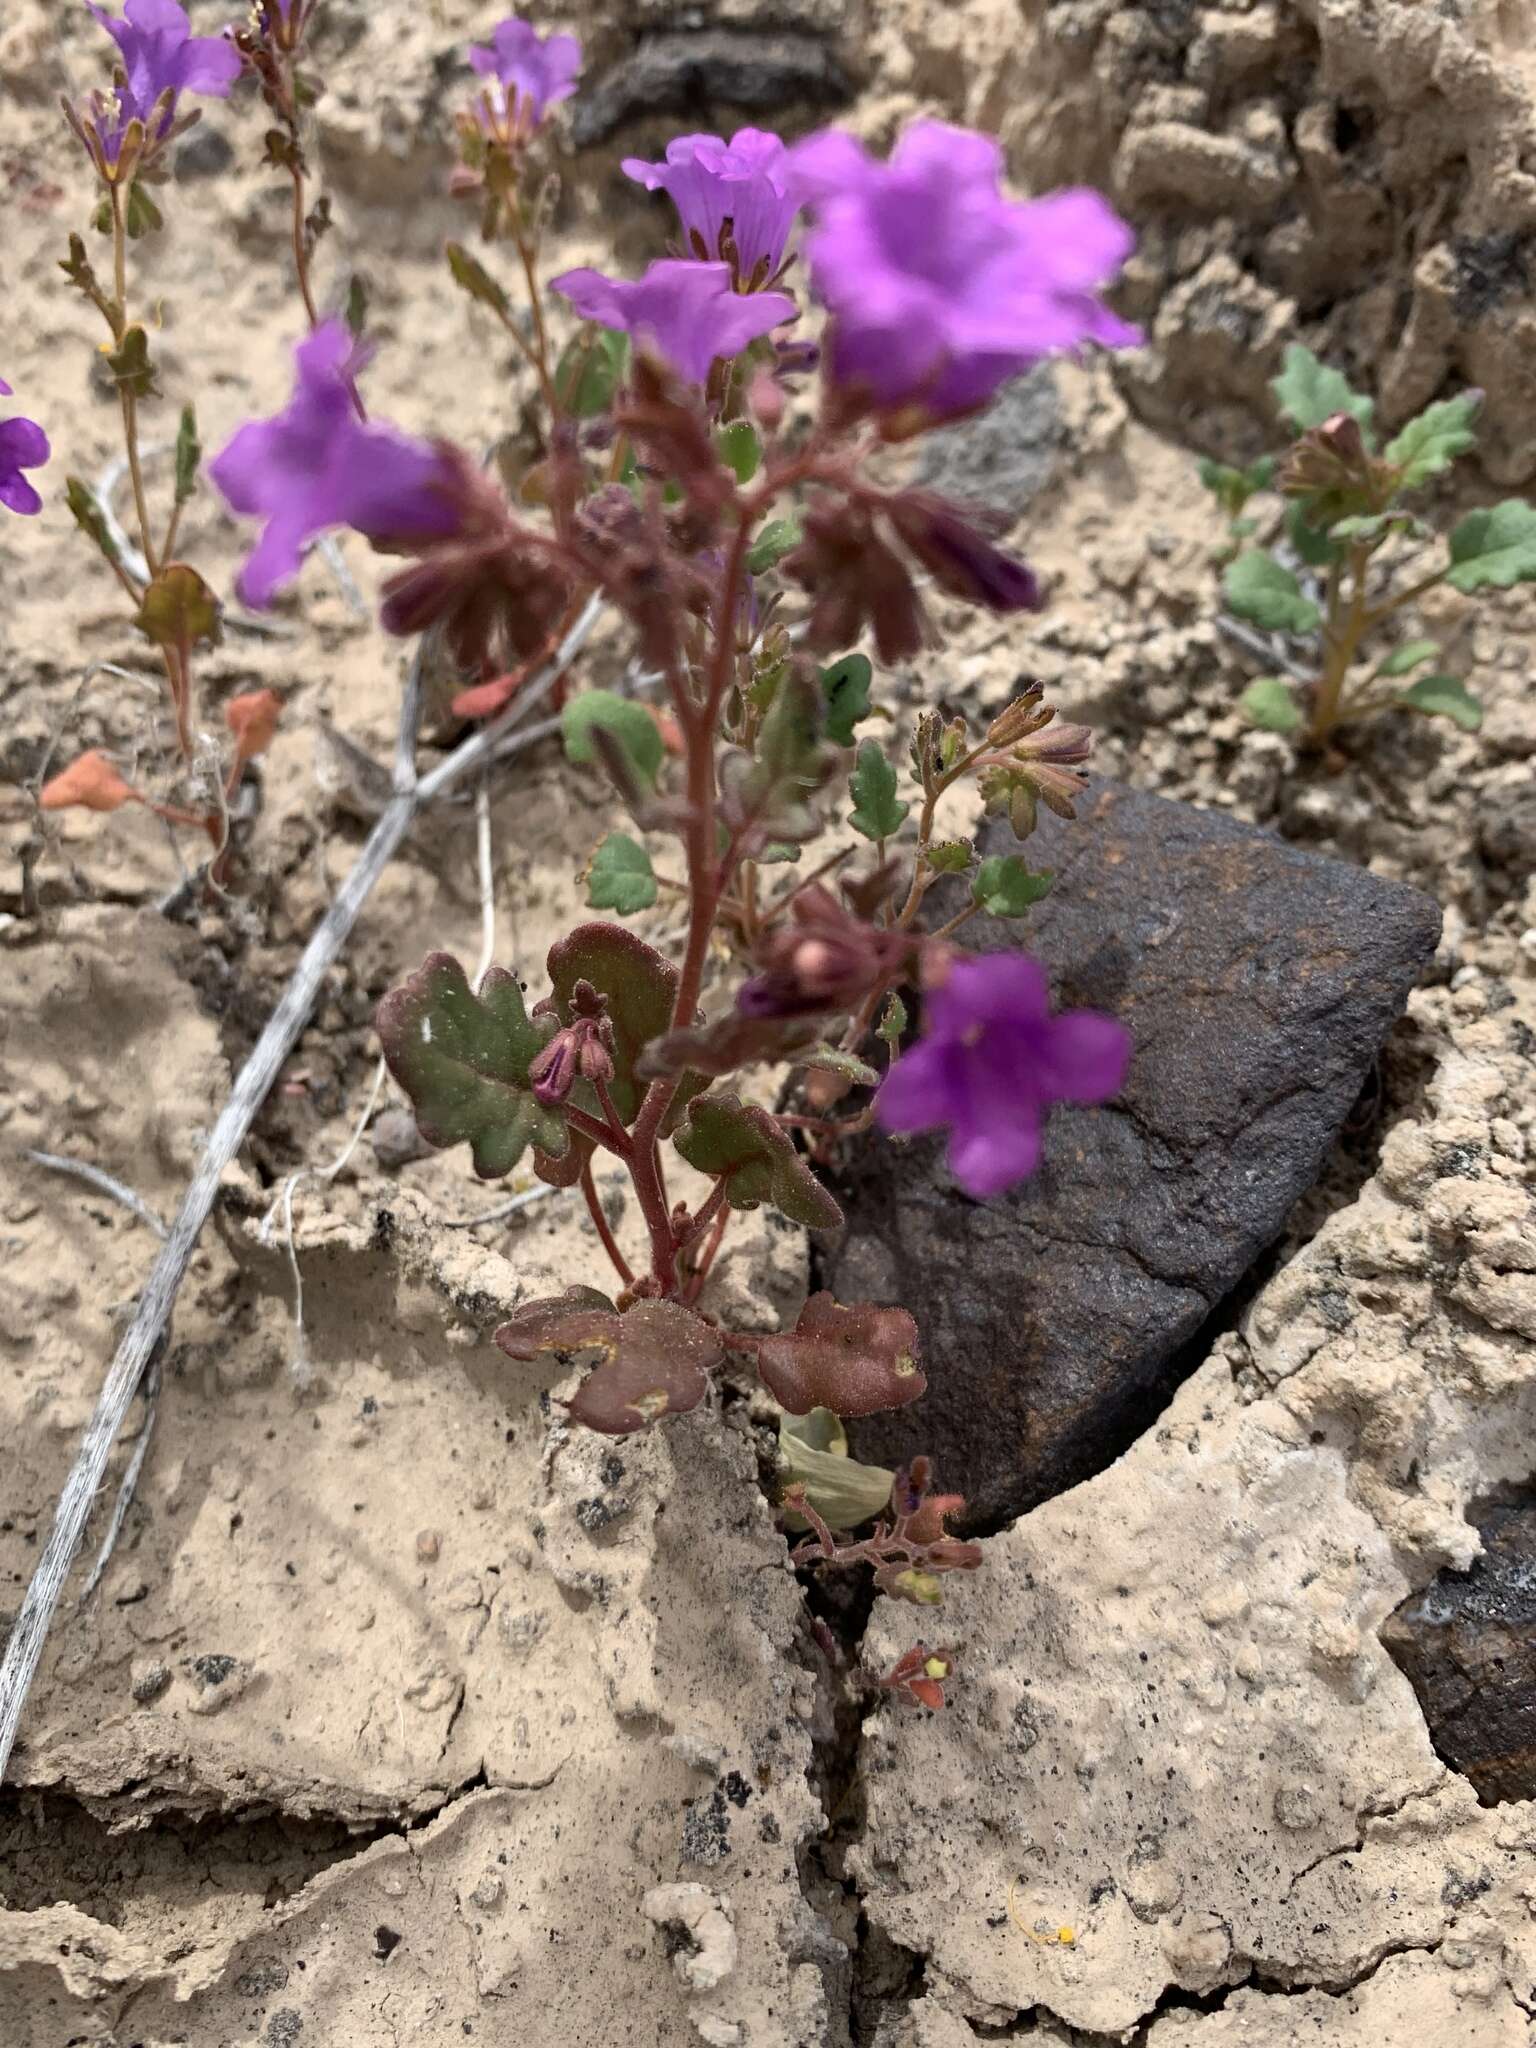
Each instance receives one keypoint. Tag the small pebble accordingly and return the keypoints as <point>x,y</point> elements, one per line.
<point>429,1546</point>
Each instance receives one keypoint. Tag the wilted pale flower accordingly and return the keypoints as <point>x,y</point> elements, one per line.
<point>23,445</point>
<point>941,289</point>
<point>316,465</point>
<point>992,1060</point>
<point>732,197</point>
<point>534,73</point>
<point>686,311</point>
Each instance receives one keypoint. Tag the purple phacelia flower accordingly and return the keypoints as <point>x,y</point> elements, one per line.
<point>161,55</point>
<point>733,197</point>
<point>687,312</point>
<point>940,288</point>
<point>23,445</point>
<point>992,1060</point>
<point>317,465</point>
<point>534,73</point>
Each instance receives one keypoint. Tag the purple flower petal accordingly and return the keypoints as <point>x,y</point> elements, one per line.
<point>991,1061</point>
<point>686,311</point>
<point>161,55</point>
<point>23,445</point>
<point>940,287</point>
<point>535,72</point>
<point>17,495</point>
<point>744,182</point>
<point>316,465</point>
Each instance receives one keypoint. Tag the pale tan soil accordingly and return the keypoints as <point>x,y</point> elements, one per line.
<point>441,1610</point>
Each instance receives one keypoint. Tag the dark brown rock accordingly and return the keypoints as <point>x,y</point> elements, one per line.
<point>696,71</point>
<point>1467,1645</point>
<point>1259,982</point>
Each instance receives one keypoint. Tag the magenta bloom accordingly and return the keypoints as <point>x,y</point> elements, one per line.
<point>686,311</point>
<point>941,289</point>
<point>23,445</point>
<point>534,72</point>
<point>317,466</point>
<point>742,185</point>
<point>991,1062</point>
<point>161,55</point>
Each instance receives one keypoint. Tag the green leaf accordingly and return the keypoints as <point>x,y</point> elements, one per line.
<point>1432,442</point>
<point>590,370</point>
<point>893,1022</point>
<point>773,544</point>
<point>1444,697</point>
<point>90,518</point>
<point>1496,545</point>
<point>846,685</point>
<point>641,988</point>
<point>178,609</point>
<point>463,1061</point>
<point>1317,548</point>
<point>620,876</point>
<point>740,449</point>
<point>356,311</point>
<point>813,1454</point>
<point>630,723</point>
<point>951,856</point>
<point>1270,704</point>
<point>769,790</point>
<point>471,275</point>
<point>741,1144</point>
<point>1309,392</point>
<point>836,1061</point>
<point>876,811</point>
<point>189,453</point>
<point>1005,887</point>
<point>1258,588</point>
<point>132,370</point>
<point>1411,655</point>
<point>1232,488</point>
<point>77,268</point>
<point>143,217</point>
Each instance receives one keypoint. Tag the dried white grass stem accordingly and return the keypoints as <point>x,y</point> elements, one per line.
<point>487,879</point>
<point>25,1645</point>
<point>94,1177</point>
<point>129,1484</point>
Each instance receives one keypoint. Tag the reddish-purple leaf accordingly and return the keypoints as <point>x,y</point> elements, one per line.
<point>854,1361</point>
<point>651,1361</point>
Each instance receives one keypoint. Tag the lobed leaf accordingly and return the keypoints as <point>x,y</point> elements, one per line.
<point>630,724</point>
<point>855,1361</point>
<point>132,370</point>
<point>463,1061</point>
<point>1308,392</point>
<point>740,1143</point>
<point>1411,655</point>
<point>641,988</point>
<point>1444,697</point>
<point>1432,442</point>
<point>653,1360</point>
<point>620,876</point>
<point>1495,545</point>
<point>1269,703</point>
<point>90,783</point>
<point>775,541</point>
<point>1005,886</point>
<point>1316,546</point>
<point>1258,588</point>
<point>178,609</point>
<point>877,811</point>
<point>846,686</point>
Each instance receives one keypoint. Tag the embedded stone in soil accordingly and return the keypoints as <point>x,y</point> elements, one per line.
<point>1467,1645</point>
<point>1259,982</point>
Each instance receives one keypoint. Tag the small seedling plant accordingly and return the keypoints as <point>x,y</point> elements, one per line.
<point>1353,551</point>
<point>716,453</point>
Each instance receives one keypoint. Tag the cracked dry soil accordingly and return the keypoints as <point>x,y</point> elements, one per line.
<point>398,1703</point>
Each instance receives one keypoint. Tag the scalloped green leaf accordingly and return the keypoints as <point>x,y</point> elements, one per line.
<point>1495,545</point>
<point>629,723</point>
<point>1308,392</point>
<point>740,1143</point>
<point>877,811</point>
<point>1258,588</point>
<point>846,686</point>
<point>1005,886</point>
<point>1315,545</point>
<point>463,1061</point>
<point>620,876</point>
<point>1444,697</point>
<point>1270,704</point>
<point>1431,442</point>
<point>1411,655</point>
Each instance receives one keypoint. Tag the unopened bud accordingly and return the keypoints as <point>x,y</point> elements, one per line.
<point>766,401</point>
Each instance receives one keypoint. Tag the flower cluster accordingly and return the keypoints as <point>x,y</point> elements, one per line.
<point>160,60</point>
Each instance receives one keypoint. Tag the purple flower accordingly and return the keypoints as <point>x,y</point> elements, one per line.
<point>317,465</point>
<point>941,289</point>
<point>535,72</point>
<point>991,1062</point>
<point>686,311</point>
<point>161,55</point>
<point>741,186</point>
<point>23,445</point>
